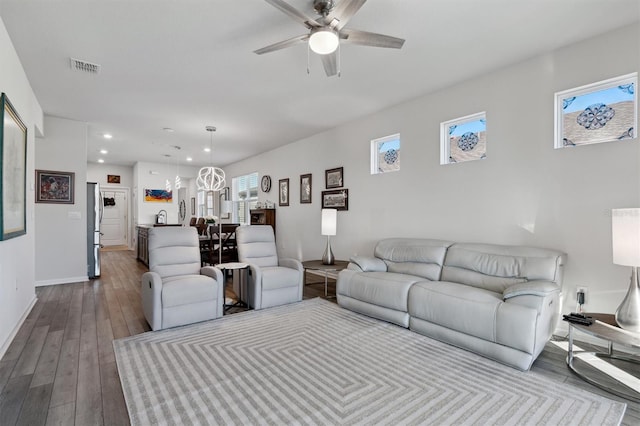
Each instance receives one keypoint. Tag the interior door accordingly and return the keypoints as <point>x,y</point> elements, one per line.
<point>114,218</point>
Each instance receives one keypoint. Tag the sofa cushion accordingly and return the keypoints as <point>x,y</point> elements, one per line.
<point>413,256</point>
<point>456,306</point>
<point>187,289</point>
<point>386,289</point>
<point>495,267</point>
<point>279,277</point>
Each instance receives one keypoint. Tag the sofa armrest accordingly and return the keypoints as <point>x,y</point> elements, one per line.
<point>213,272</point>
<point>151,295</point>
<point>531,288</point>
<point>368,264</point>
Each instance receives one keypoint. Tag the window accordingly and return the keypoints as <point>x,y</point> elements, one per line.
<point>245,197</point>
<point>205,203</point>
<point>605,111</point>
<point>385,154</point>
<point>463,139</point>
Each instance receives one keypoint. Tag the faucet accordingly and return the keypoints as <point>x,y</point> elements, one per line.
<point>161,217</point>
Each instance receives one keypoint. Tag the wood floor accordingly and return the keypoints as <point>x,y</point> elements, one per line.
<point>60,369</point>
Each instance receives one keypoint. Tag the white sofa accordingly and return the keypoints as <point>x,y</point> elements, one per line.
<point>501,302</point>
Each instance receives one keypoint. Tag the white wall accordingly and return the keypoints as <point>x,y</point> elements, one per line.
<point>17,255</point>
<point>61,245</point>
<point>97,172</point>
<point>154,176</point>
<point>525,192</point>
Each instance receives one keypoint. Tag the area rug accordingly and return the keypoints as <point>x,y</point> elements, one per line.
<point>315,363</point>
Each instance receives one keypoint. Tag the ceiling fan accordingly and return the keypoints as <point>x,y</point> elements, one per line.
<point>328,30</point>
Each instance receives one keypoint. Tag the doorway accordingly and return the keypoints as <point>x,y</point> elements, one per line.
<point>115,224</point>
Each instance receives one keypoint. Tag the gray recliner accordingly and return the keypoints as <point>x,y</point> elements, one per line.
<point>272,281</point>
<point>176,290</point>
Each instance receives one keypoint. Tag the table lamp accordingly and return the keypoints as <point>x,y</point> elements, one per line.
<point>329,225</point>
<point>625,227</point>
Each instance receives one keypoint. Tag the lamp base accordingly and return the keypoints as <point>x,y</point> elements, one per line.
<point>327,257</point>
<point>628,313</point>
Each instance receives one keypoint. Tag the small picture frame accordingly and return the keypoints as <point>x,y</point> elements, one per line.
<point>305,189</point>
<point>334,178</point>
<point>113,178</point>
<point>336,199</point>
<point>283,192</point>
<point>54,187</point>
<point>604,111</point>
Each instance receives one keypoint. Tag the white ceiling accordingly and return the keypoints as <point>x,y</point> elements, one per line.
<point>186,64</point>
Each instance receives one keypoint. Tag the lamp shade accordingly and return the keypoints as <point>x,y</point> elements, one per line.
<point>625,230</point>
<point>329,221</point>
<point>323,41</point>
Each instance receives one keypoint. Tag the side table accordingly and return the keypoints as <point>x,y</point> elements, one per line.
<point>605,327</point>
<point>242,269</point>
<point>317,265</point>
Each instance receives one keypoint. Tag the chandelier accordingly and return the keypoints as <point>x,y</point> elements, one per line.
<point>210,178</point>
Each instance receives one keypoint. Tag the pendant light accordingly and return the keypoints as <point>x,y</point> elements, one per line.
<point>210,178</point>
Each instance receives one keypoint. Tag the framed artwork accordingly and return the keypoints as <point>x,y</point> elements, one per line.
<point>193,206</point>
<point>337,199</point>
<point>54,187</point>
<point>463,139</point>
<point>283,192</point>
<point>158,196</point>
<point>113,178</point>
<point>305,189</point>
<point>333,178</point>
<point>13,187</point>
<point>605,111</point>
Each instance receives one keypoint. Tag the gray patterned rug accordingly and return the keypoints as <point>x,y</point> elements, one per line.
<point>316,363</point>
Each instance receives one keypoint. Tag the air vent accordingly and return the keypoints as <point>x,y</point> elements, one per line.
<point>84,66</point>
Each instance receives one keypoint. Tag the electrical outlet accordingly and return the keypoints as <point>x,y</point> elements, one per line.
<point>582,290</point>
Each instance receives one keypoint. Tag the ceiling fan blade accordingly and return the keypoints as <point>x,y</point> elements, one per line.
<point>365,38</point>
<point>330,63</point>
<point>343,12</point>
<point>282,44</point>
<point>294,13</point>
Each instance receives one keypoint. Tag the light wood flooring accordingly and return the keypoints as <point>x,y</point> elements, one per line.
<point>60,368</point>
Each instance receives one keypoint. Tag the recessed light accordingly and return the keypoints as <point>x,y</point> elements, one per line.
<point>168,129</point>
<point>207,150</point>
<point>100,160</point>
<point>104,151</point>
<point>107,136</point>
<point>189,159</point>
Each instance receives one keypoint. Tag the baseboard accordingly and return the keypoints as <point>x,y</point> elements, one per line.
<point>69,280</point>
<point>14,332</point>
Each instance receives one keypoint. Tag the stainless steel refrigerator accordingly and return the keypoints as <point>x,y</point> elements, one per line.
<point>94,217</point>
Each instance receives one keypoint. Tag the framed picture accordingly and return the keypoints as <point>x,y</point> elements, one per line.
<point>605,111</point>
<point>305,189</point>
<point>113,178</point>
<point>158,196</point>
<point>193,206</point>
<point>337,199</point>
<point>13,187</point>
<point>283,192</point>
<point>333,178</point>
<point>54,187</point>
<point>464,139</point>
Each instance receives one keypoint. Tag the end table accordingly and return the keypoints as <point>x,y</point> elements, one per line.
<point>317,265</point>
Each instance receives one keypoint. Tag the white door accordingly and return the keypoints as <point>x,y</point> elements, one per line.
<point>114,217</point>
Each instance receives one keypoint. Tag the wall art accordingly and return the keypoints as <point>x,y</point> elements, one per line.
<point>305,189</point>
<point>605,111</point>
<point>336,199</point>
<point>13,187</point>
<point>158,196</point>
<point>283,192</point>
<point>113,178</point>
<point>54,187</point>
<point>333,178</point>
<point>463,139</point>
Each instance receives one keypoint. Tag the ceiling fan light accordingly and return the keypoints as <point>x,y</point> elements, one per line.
<point>324,41</point>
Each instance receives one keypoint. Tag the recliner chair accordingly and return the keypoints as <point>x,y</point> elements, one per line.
<point>176,290</point>
<point>272,281</point>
